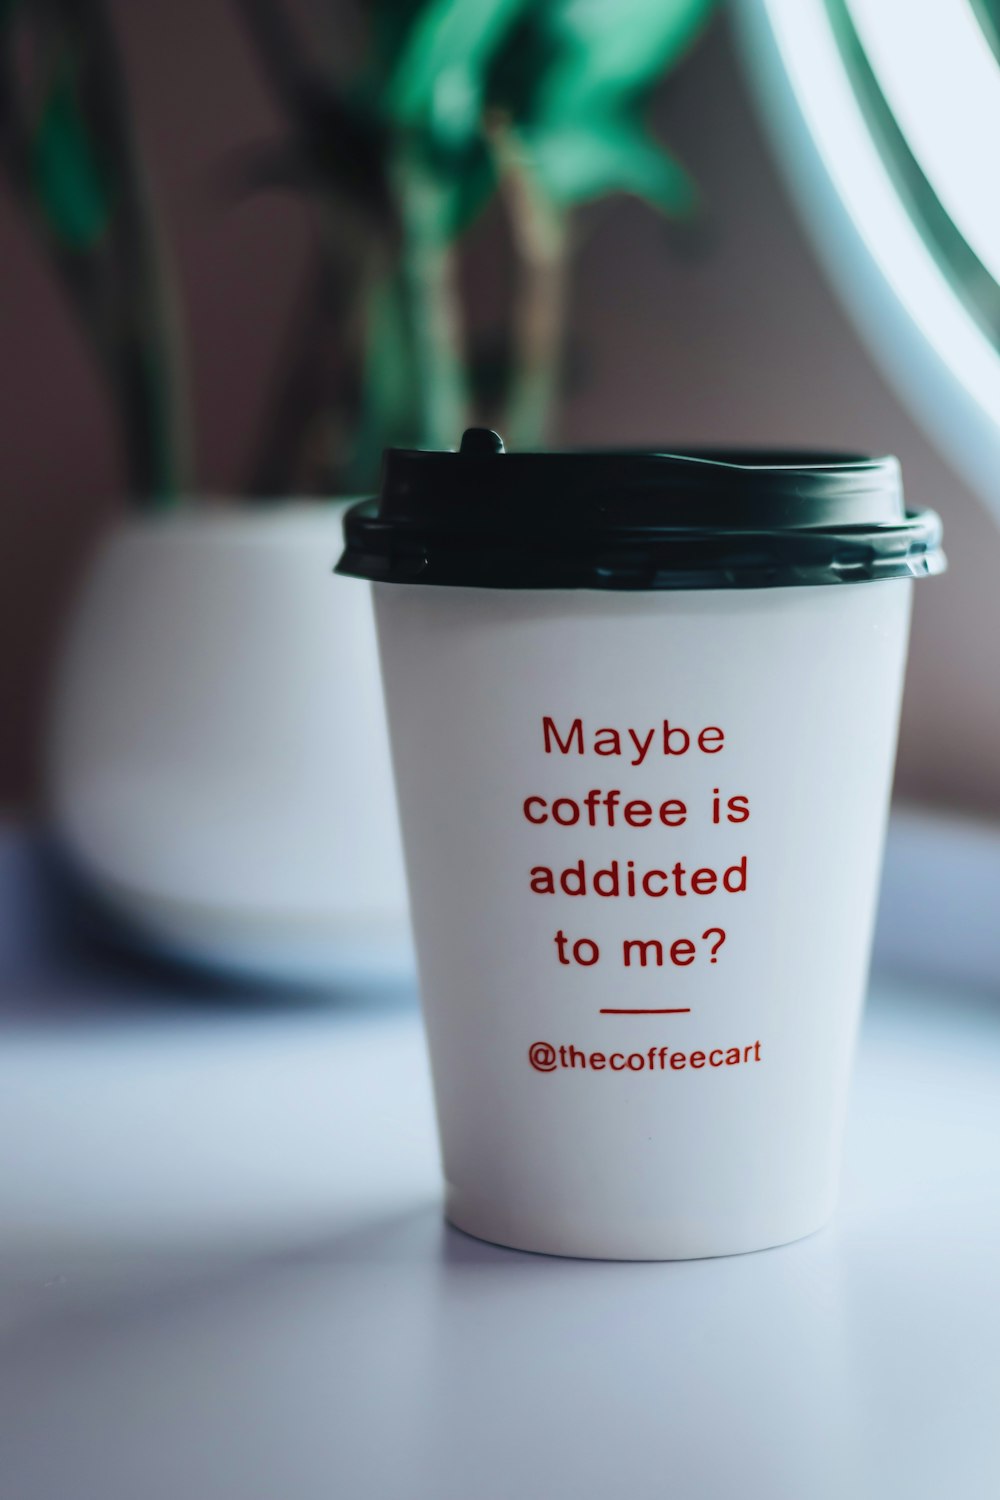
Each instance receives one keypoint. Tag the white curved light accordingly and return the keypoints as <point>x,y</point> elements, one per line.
<point>939,77</point>
<point>913,317</point>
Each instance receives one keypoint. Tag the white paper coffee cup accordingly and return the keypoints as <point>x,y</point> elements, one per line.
<point>643,826</point>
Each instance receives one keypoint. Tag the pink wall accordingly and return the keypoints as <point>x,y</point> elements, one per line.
<point>729,333</point>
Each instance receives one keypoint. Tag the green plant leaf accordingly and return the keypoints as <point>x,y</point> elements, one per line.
<point>577,162</point>
<point>67,176</point>
<point>390,23</point>
<point>527,53</point>
<point>610,50</point>
<point>437,79</point>
<point>466,189</point>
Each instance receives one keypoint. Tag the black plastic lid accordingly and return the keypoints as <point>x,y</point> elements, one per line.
<point>698,519</point>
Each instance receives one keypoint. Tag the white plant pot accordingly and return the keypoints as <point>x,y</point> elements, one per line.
<point>219,768</point>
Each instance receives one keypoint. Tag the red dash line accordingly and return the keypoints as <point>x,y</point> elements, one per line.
<point>679,1010</point>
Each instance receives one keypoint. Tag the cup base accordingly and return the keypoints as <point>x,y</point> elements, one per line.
<point>649,1241</point>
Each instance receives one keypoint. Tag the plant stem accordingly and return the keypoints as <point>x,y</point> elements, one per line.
<point>389,411</point>
<point>539,233</point>
<point>428,272</point>
<point>415,390</point>
<point>117,283</point>
<point>143,354</point>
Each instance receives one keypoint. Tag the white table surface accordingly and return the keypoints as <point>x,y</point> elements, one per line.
<point>224,1276</point>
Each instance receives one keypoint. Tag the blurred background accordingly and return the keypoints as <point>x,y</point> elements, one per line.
<point>702,318</point>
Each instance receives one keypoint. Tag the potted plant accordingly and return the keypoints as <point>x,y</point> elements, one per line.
<point>218,765</point>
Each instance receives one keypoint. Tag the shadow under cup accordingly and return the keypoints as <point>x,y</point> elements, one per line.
<point>643,729</point>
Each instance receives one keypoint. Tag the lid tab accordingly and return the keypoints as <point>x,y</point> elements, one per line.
<point>481,442</point>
